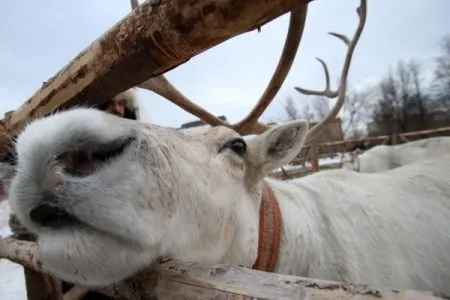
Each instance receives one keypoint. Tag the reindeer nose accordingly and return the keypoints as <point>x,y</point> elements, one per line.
<point>52,179</point>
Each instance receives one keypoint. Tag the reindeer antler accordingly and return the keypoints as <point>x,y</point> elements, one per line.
<point>250,124</point>
<point>340,93</point>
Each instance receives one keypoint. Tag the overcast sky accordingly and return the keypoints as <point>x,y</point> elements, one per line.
<point>39,37</point>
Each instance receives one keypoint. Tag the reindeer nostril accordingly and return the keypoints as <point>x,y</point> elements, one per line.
<point>81,163</point>
<point>47,215</point>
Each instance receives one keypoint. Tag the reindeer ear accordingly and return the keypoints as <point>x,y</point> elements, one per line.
<point>274,148</point>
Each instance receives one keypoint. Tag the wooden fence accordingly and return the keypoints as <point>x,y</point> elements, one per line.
<point>310,152</point>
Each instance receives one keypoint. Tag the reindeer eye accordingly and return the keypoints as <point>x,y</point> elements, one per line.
<point>238,146</point>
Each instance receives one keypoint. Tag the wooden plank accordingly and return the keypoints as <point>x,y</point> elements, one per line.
<point>394,139</point>
<point>382,137</point>
<point>154,38</point>
<point>428,131</point>
<point>175,279</point>
<point>351,141</point>
<point>314,157</point>
<point>300,172</point>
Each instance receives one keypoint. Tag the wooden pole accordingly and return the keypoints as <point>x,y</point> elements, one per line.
<point>394,140</point>
<point>314,157</point>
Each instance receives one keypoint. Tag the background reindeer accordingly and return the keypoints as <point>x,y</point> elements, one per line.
<point>386,157</point>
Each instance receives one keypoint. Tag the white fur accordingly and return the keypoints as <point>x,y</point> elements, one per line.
<point>171,193</point>
<point>383,157</point>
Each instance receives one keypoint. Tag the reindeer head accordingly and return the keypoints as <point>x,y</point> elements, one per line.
<point>106,196</point>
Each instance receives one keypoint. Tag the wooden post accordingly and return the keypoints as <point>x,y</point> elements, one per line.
<point>314,157</point>
<point>394,139</point>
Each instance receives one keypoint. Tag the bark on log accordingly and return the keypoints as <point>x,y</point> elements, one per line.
<point>179,280</point>
<point>155,37</point>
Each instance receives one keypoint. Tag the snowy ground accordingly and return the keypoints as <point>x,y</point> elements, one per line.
<point>12,280</point>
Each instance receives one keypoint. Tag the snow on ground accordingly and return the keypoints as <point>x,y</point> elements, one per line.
<point>12,280</point>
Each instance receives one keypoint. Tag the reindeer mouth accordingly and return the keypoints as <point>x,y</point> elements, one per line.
<point>51,216</point>
<point>86,161</point>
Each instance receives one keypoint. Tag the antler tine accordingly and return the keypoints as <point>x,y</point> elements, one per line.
<point>164,88</point>
<point>327,91</point>
<point>340,93</point>
<point>250,124</point>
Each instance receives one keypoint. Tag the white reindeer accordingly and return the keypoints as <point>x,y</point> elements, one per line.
<point>106,196</point>
<point>384,157</point>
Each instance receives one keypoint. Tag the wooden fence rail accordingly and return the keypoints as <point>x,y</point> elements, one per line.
<point>310,151</point>
<point>173,279</point>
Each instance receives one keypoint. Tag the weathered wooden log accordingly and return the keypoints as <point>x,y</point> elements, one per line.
<point>179,280</point>
<point>154,38</point>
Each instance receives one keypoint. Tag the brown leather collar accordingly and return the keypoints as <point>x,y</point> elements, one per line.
<point>269,231</point>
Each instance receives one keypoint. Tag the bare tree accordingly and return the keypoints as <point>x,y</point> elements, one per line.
<point>291,110</point>
<point>314,109</point>
<point>441,84</point>
<point>404,104</point>
<point>421,101</point>
<point>308,113</point>
<point>321,107</point>
<point>357,111</point>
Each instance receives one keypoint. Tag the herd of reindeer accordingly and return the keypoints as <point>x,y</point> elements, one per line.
<point>106,197</point>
